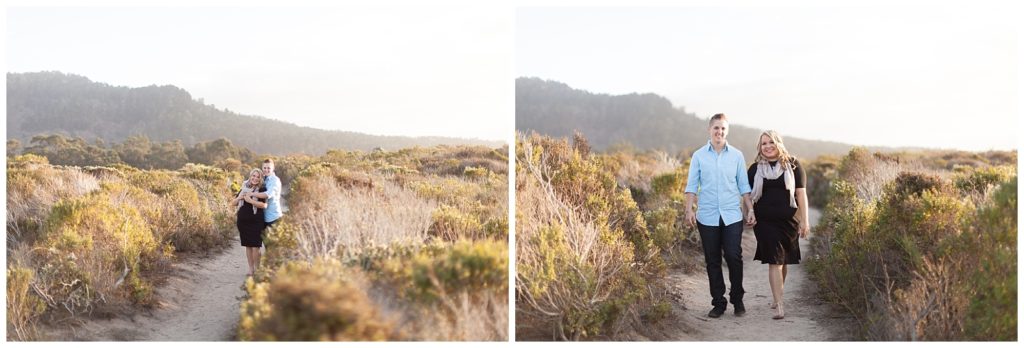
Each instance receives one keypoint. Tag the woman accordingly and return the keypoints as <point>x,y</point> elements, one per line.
<point>250,218</point>
<point>780,208</point>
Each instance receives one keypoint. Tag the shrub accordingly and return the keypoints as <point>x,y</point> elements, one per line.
<point>440,270</point>
<point>450,224</point>
<point>322,301</point>
<point>33,190</point>
<point>579,240</point>
<point>992,313</point>
<point>179,215</point>
<point>916,262</point>
<point>23,307</point>
<point>89,247</point>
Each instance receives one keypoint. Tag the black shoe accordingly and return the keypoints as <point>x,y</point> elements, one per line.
<point>716,312</point>
<point>739,309</point>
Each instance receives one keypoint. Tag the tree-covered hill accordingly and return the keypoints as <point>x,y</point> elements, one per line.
<point>59,103</point>
<point>645,121</point>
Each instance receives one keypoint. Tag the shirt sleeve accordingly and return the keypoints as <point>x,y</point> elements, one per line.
<point>741,176</point>
<point>798,175</point>
<point>273,189</point>
<point>692,176</point>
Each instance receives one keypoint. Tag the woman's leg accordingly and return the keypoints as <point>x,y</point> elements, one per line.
<point>251,260</point>
<point>256,258</point>
<point>775,280</point>
<point>785,270</point>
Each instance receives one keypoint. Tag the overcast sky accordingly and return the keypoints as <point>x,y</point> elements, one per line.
<point>874,75</point>
<point>405,70</point>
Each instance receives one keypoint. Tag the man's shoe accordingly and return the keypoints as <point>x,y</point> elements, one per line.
<point>739,309</point>
<point>716,312</point>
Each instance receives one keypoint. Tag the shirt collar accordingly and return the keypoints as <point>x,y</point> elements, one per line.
<point>712,148</point>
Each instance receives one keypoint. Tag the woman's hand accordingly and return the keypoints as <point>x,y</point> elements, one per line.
<point>751,220</point>
<point>804,229</point>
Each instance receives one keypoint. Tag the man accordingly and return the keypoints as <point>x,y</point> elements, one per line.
<point>718,174</point>
<point>272,195</point>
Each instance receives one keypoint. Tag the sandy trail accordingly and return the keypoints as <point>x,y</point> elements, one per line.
<point>199,302</point>
<point>808,317</point>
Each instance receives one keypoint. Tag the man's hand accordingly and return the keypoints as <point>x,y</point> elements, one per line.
<point>751,220</point>
<point>691,219</point>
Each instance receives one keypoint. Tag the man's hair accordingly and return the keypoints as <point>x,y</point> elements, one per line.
<point>718,117</point>
<point>268,161</point>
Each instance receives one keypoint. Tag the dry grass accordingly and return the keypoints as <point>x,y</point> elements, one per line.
<point>337,219</point>
<point>31,192</point>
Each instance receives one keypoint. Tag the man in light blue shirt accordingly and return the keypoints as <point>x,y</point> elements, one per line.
<point>718,182</point>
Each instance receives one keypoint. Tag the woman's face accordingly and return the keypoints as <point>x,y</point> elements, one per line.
<point>255,178</point>
<point>768,148</point>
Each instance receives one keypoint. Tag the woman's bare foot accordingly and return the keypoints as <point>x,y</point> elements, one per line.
<point>779,313</point>
<point>774,305</point>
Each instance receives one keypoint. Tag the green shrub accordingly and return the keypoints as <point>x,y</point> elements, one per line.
<point>448,223</point>
<point>920,261</point>
<point>585,260</point>
<point>464,266</point>
<point>993,310</point>
<point>86,243</point>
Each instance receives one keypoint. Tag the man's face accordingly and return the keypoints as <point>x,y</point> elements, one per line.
<point>718,130</point>
<point>268,169</point>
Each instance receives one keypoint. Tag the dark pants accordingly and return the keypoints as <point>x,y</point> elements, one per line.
<point>715,240</point>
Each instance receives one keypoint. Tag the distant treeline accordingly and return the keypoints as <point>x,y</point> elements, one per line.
<point>54,102</point>
<point>136,151</point>
<point>645,121</point>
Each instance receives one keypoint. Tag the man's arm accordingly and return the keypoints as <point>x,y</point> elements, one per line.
<point>690,219</point>
<point>273,190</point>
<point>692,178</point>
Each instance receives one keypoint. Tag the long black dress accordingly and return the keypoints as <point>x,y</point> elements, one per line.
<point>250,225</point>
<point>778,241</point>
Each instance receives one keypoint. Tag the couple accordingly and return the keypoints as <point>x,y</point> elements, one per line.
<point>776,207</point>
<point>258,206</point>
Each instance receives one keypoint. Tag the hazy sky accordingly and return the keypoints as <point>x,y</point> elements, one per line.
<point>405,70</point>
<point>882,75</point>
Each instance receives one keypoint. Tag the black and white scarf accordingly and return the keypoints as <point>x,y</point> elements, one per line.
<point>767,171</point>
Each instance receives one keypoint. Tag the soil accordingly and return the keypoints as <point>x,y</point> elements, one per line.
<point>199,302</point>
<point>808,316</point>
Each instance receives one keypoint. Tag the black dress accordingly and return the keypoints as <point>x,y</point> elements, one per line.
<point>778,241</point>
<point>250,225</point>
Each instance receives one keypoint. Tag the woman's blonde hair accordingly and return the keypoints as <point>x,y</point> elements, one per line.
<point>255,170</point>
<point>784,156</point>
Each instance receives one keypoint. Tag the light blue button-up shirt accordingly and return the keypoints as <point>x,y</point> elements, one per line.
<point>273,211</point>
<point>718,180</point>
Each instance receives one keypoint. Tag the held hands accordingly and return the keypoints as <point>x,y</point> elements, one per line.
<point>751,220</point>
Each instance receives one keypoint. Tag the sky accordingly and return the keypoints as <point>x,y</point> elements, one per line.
<point>936,77</point>
<point>404,69</point>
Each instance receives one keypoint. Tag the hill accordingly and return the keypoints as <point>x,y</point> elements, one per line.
<point>55,102</point>
<point>645,121</point>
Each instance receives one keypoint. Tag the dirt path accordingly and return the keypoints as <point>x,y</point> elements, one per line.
<point>808,318</point>
<point>198,303</point>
